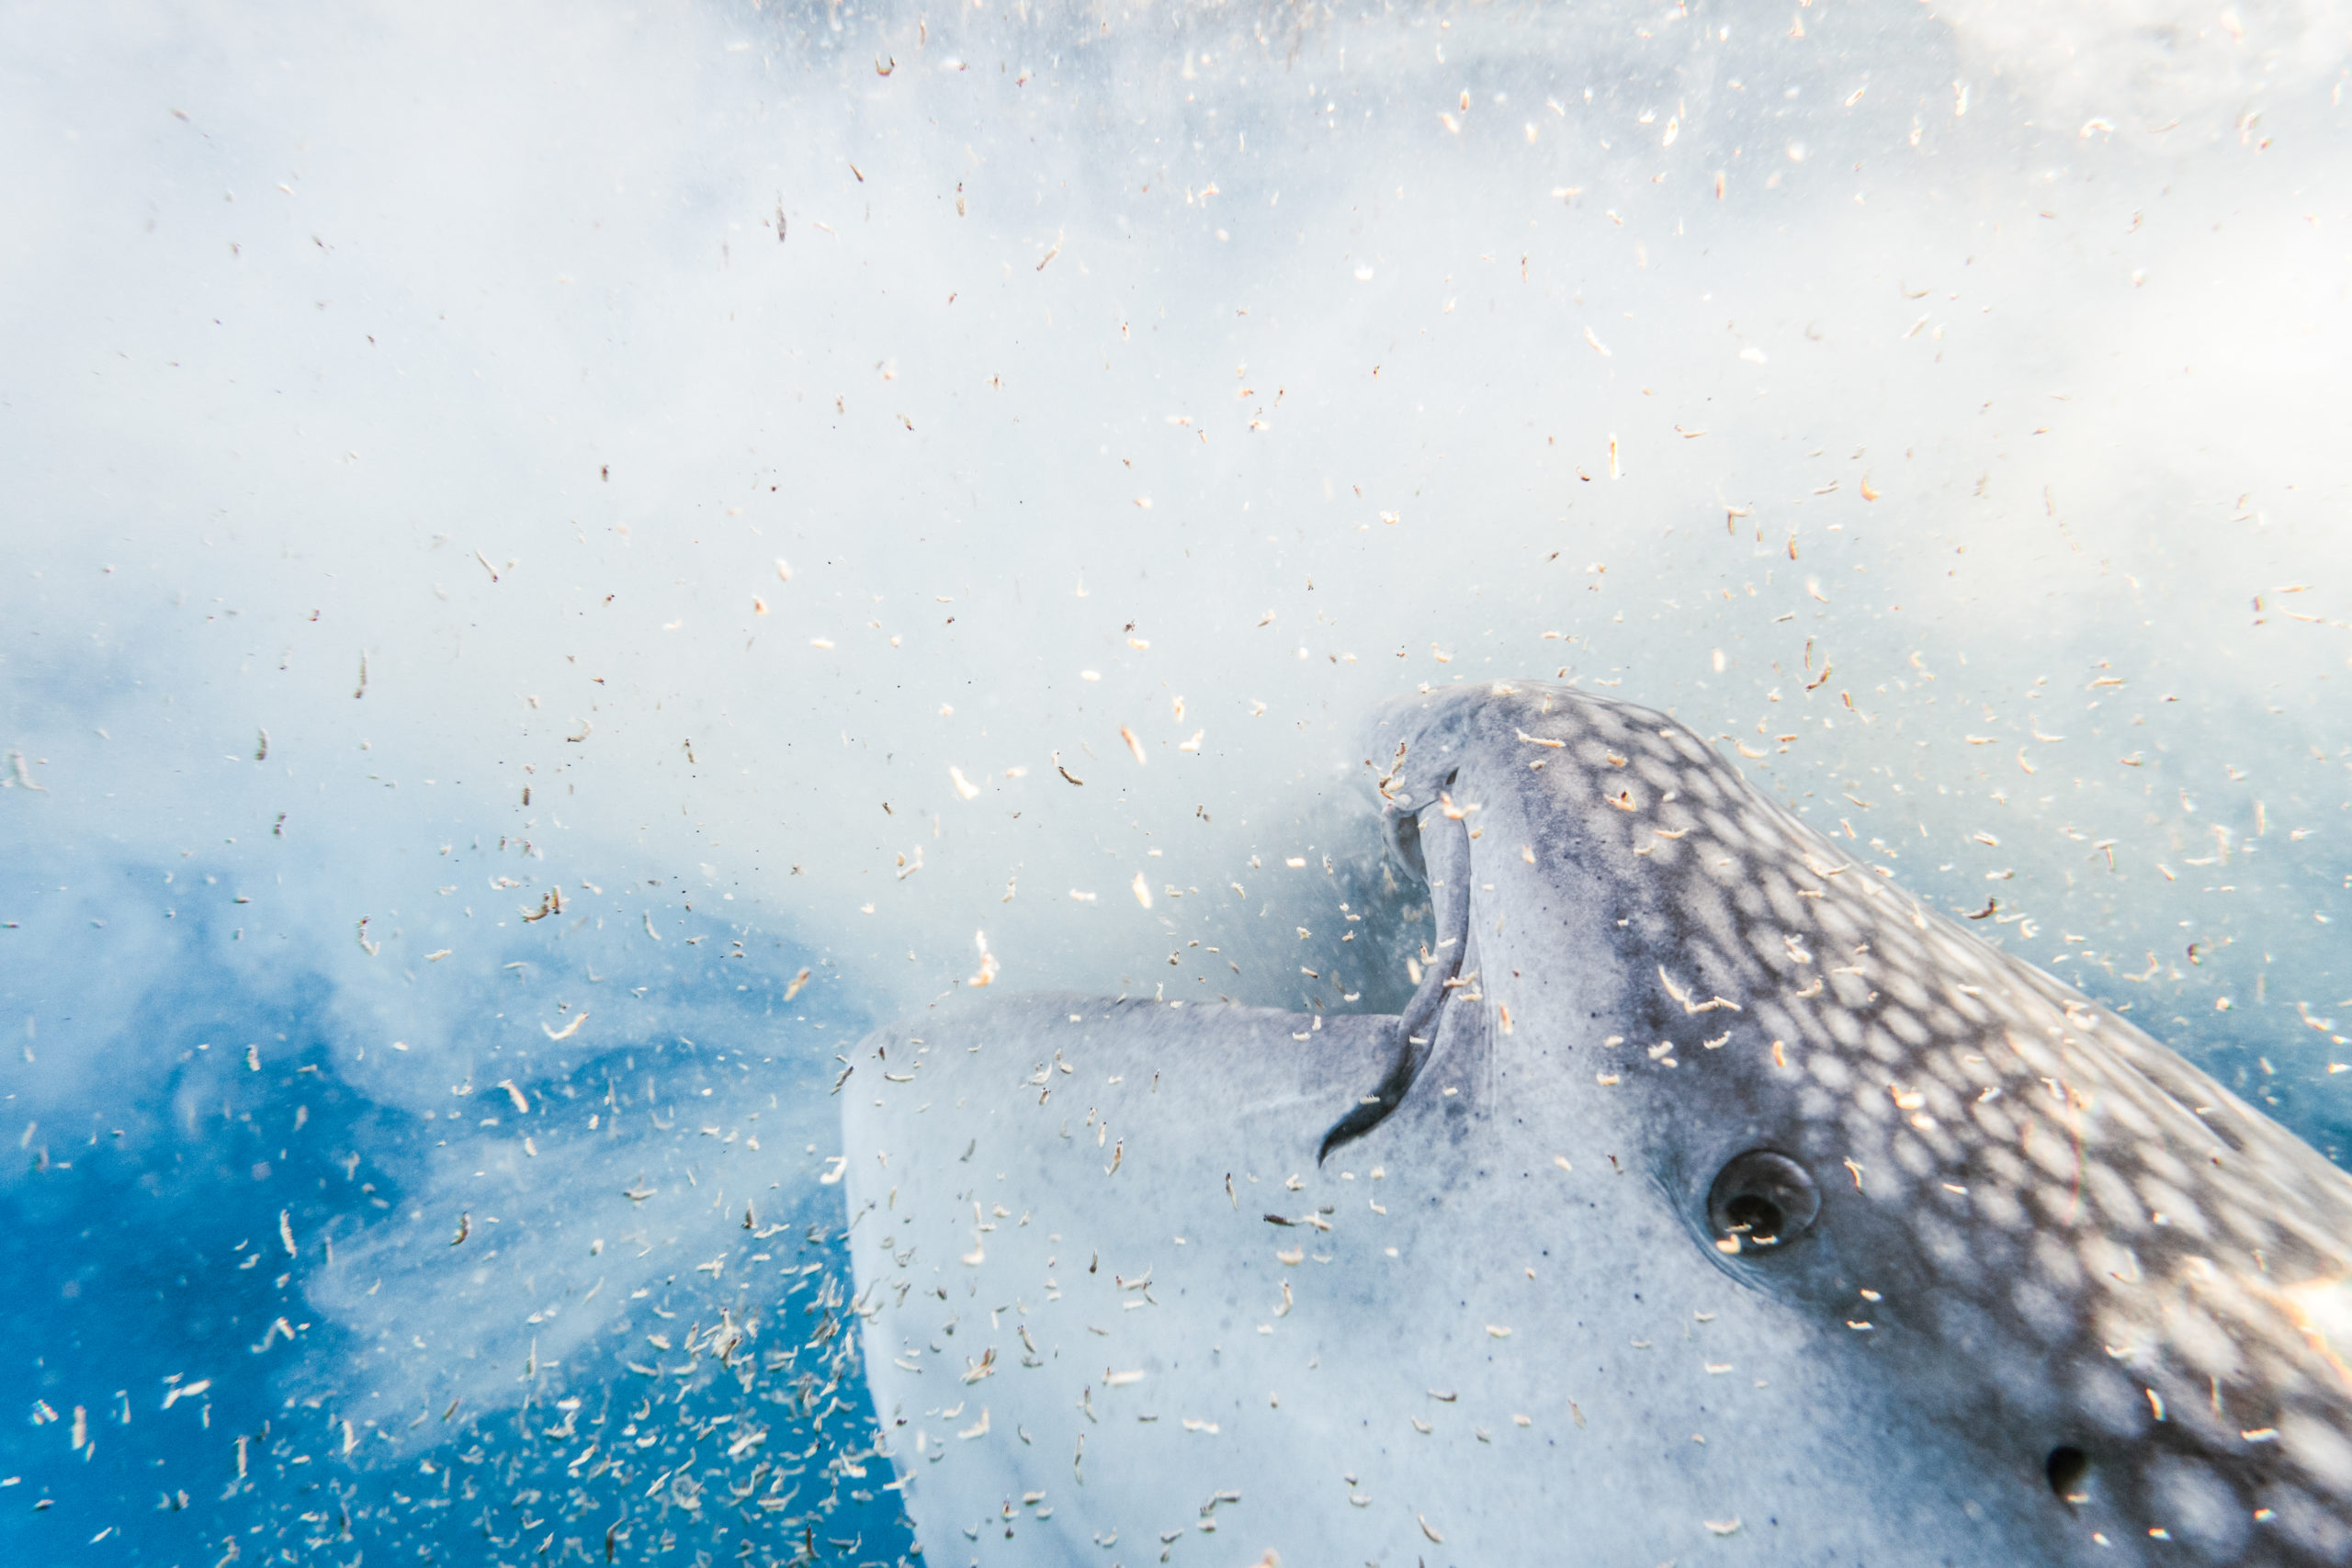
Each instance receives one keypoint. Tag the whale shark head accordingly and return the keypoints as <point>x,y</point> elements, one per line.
<point>1712,1194</point>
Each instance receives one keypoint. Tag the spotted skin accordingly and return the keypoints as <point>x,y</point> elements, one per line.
<point>2064,1299</point>
<point>2039,1187</point>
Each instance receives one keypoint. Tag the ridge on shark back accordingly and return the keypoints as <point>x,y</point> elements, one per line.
<point>1712,1195</point>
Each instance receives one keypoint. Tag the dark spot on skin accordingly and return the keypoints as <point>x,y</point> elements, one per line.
<point>2068,1469</point>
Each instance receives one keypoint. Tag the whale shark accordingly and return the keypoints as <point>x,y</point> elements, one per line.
<point>1714,1199</point>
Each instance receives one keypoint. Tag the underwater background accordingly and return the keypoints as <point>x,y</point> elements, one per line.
<point>558,563</point>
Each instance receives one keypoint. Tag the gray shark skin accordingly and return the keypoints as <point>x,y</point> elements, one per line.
<point>1716,1201</point>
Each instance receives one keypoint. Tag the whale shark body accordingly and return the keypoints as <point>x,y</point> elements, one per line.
<point>1714,1199</point>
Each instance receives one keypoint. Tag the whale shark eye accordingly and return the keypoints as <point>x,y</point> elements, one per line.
<point>1761,1199</point>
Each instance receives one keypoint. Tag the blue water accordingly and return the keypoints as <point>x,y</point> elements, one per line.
<point>193,1390</point>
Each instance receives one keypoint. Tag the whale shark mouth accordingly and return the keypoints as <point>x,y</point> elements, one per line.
<point>2001,1243</point>
<point>1440,851</point>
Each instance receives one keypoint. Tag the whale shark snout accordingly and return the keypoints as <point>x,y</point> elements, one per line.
<point>1712,1194</point>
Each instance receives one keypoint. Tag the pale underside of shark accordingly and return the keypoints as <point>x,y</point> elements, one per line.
<point>1714,1199</point>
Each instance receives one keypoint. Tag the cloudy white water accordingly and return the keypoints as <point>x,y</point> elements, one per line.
<point>559,560</point>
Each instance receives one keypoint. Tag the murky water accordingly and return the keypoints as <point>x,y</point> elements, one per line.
<point>562,563</point>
